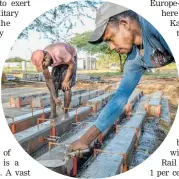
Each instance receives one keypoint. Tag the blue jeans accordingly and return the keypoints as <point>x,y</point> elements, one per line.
<point>133,71</point>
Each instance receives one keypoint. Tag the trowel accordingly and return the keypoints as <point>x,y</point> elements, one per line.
<point>59,111</point>
<point>54,163</point>
<point>60,115</point>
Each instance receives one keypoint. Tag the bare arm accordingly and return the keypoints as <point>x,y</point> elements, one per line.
<point>112,111</point>
<point>50,85</point>
<point>71,65</point>
<point>65,83</point>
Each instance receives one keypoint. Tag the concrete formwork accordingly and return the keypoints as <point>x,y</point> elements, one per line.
<point>115,157</point>
<point>154,132</point>
<point>75,101</point>
<point>165,116</point>
<point>59,151</point>
<point>16,112</point>
<point>153,108</point>
<point>83,98</point>
<point>155,99</point>
<point>44,101</point>
<point>22,100</point>
<point>77,92</point>
<point>95,93</point>
<point>140,107</point>
<point>33,138</point>
<point>165,119</point>
<point>111,160</point>
<point>100,101</point>
<point>135,96</point>
<point>41,102</point>
<point>78,98</point>
<point>23,122</point>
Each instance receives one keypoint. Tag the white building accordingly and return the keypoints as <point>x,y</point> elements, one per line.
<point>83,63</point>
<point>86,63</point>
<point>12,64</point>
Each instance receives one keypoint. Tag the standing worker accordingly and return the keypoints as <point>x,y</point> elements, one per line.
<point>63,58</point>
<point>127,33</point>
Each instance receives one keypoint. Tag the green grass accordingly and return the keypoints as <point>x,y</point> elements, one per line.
<point>165,73</point>
<point>104,72</point>
<point>161,75</point>
<point>11,69</point>
<point>171,66</point>
<point>168,71</point>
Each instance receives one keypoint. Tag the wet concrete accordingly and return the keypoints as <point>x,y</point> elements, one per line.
<point>152,137</point>
<point>83,98</point>
<point>123,143</point>
<point>156,99</point>
<point>58,152</point>
<point>15,112</point>
<point>148,143</point>
<point>73,135</point>
<point>44,101</point>
<point>154,106</point>
<point>136,95</point>
<point>30,119</point>
<point>29,138</point>
<point>165,119</point>
<point>140,106</point>
<point>27,120</point>
<point>25,99</point>
<point>99,102</point>
<point>41,102</point>
<point>7,92</point>
<point>115,161</point>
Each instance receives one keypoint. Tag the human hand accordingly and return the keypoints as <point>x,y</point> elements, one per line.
<point>65,85</point>
<point>78,144</point>
<point>57,101</point>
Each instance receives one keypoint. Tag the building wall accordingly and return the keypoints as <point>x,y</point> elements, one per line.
<point>88,63</point>
<point>12,64</point>
<point>81,63</point>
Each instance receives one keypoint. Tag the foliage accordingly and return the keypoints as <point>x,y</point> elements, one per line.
<point>60,20</point>
<point>15,59</point>
<point>80,41</point>
<point>105,55</point>
<point>106,60</point>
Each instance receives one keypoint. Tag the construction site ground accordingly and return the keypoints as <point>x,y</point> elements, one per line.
<point>135,133</point>
<point>149,85</point>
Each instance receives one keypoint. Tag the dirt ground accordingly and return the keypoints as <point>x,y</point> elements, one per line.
<point>169,86</point>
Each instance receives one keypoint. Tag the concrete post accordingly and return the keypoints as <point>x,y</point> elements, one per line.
<point>24,66</point>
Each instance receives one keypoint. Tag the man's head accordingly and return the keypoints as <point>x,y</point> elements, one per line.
<point>116,25</point>
<point>41,59</point>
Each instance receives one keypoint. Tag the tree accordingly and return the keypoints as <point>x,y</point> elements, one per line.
<point>15,59</point>
<point>107,59</point>
<point>57,23</point>
<point>80,41</point>
<point>107,56</point>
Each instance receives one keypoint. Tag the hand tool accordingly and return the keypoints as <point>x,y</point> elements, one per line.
<point>54,163</point>
<point>59,111</point>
